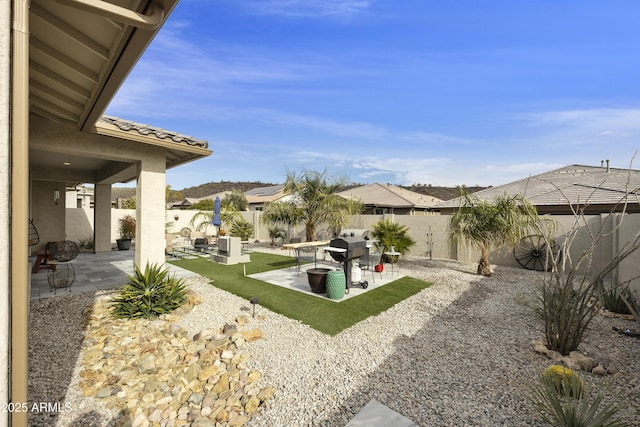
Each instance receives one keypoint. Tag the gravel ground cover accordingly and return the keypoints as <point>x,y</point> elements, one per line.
<point>456,354</point>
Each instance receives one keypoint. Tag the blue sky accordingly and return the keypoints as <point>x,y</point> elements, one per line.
<point>468,92</point>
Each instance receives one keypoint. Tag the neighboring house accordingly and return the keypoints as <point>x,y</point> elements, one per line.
<point>594,189</point>
<point>189,201</point>
<point>380,199</point>
<point>258,198</point>
<point>79,196</point>
<point>61,63</point>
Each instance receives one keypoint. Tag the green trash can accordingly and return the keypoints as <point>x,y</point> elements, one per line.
<point>336,283</point>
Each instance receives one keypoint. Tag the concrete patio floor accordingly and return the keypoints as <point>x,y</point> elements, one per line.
<point>101,271</point>
<point>290,278</point>
<point>109,270</point>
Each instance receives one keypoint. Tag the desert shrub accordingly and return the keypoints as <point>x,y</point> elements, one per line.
<point>563,399</point>
<point>567,311</point>
<point>149,294</point>
<point>86,243</point>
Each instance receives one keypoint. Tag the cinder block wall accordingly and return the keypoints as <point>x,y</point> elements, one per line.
<point>429,231</point>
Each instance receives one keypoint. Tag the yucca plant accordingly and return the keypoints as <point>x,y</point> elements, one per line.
<point>569,403</point>
<point>149,294</point>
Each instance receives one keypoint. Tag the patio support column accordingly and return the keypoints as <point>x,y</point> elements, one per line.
<point>19,209</point>
<point>102,218</point>
<point>5,165</point>
<point>150,210</point>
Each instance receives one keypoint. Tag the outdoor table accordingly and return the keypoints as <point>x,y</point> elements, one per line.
<point>296,246</point>
<point>185,249</point>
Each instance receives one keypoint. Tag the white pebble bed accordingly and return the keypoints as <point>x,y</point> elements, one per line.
<point>456,354</point>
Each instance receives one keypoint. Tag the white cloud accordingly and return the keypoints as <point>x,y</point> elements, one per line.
<point>584,127</point>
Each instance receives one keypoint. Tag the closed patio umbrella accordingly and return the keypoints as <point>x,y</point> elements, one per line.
<point>216,213</point>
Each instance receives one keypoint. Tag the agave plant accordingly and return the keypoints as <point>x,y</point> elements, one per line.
<point>149,294</point>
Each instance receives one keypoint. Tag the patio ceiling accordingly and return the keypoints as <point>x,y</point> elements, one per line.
<point>80,52</point>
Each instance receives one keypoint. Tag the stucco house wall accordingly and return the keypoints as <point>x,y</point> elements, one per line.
<point>47,216</point>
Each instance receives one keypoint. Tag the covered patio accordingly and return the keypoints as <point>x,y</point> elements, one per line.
<point>94,272</point>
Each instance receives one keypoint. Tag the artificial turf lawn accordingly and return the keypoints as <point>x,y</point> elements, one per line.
<point>323,315</point>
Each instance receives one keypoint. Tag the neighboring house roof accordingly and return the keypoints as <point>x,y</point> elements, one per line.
<point>569,185</point>
<point>391,196</point>
<point>265,194</point>
<point>254,196</point>
<point>188,201</point>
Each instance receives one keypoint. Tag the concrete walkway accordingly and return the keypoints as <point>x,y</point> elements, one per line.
<point>375,414</point>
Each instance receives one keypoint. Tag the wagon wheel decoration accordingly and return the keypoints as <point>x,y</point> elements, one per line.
<point>533,254</point>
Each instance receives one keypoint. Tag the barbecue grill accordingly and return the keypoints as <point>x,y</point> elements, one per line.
<point>348,249</point>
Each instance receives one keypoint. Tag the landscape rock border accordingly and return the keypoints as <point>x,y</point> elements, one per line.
<point>599,364</point>
<point>155,374</point>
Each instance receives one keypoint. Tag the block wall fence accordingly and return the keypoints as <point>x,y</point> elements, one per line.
<point>429,231</point>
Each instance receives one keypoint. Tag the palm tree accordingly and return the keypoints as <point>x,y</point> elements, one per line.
<point>235,199</point>
<point>315,202</point>
<point>201,220</point>
<point>388,234</point>
<point>242,228</point>
<point>483,224</point>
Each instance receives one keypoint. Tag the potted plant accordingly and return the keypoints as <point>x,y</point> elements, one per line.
<point>391,234</point>
<point>127,231</point>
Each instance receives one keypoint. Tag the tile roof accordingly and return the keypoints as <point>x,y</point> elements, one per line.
<point>390,196</point>
<point>142,129</point>
<point>573,184</point>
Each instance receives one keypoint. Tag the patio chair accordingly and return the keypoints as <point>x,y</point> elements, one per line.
<point>370,260</point>
<point>63,274</point>
<point>305,254</point>
<point>170,244</point>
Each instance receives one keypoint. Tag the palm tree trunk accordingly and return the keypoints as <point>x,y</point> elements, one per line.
<point>310,232</point>
<point>483,265</point>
